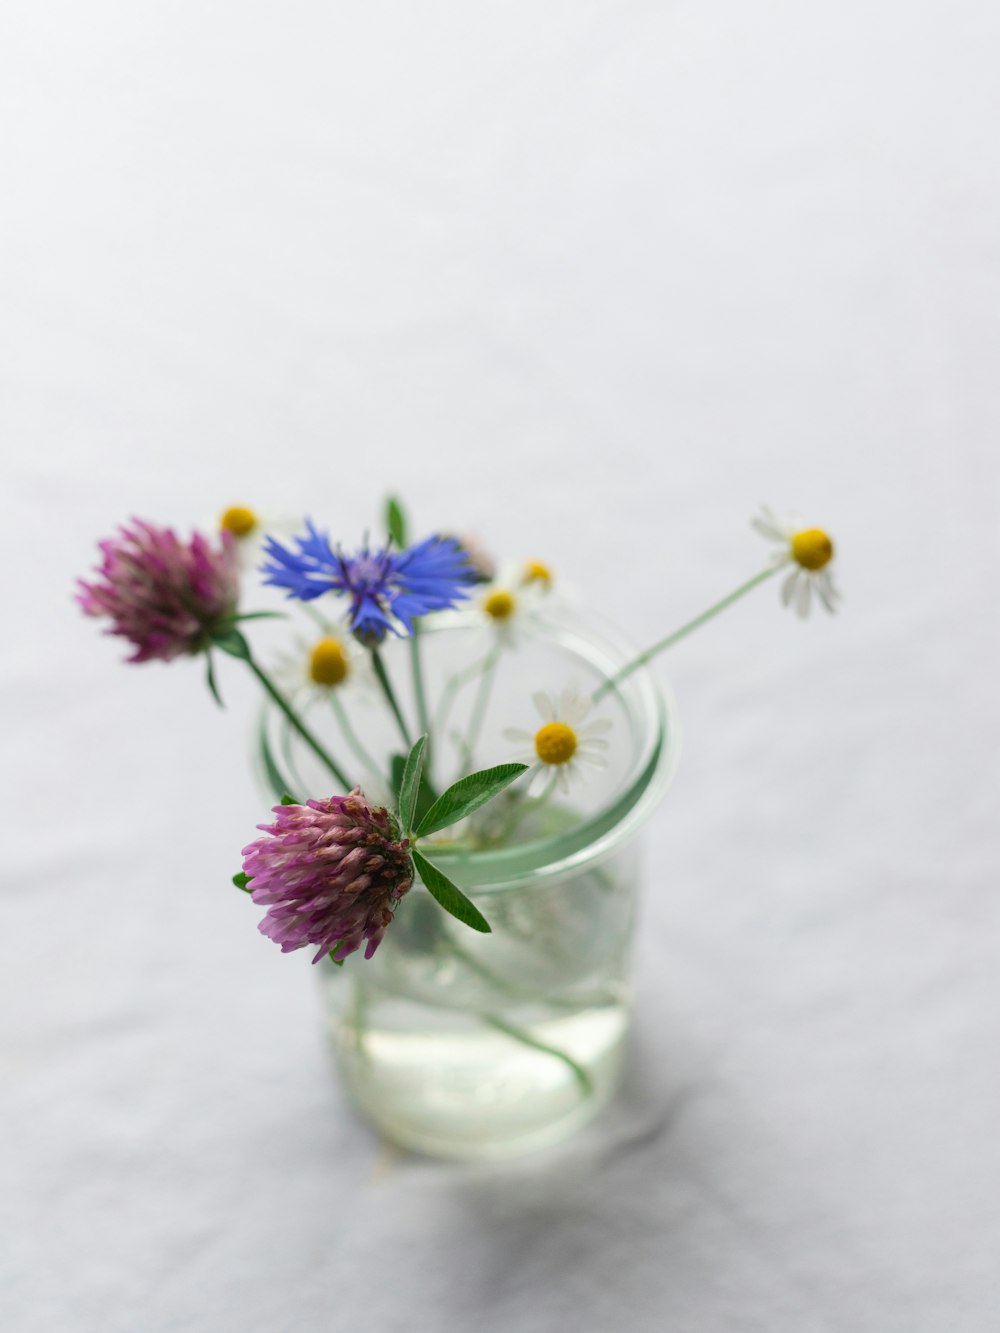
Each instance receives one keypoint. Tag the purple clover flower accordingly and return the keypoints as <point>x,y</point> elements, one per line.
<point>166,596</point>
<point>386,588</point>
<point>331,872</point>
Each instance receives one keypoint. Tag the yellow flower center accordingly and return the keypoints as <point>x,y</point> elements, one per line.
<point>812,548</point>
<point>555,743</point>
<point>536,572</point>
<point>328,663</point>
<point>238,520</point>
<point>499,605</point>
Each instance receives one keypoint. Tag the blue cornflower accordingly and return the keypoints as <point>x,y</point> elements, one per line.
<point>387,588</point>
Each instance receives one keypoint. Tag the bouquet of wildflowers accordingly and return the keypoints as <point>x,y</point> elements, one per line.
<point>333,866</point>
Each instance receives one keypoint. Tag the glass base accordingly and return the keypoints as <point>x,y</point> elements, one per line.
<point>476,1092</point>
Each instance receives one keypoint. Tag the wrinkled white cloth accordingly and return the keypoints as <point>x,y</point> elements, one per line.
<point>592,281</point>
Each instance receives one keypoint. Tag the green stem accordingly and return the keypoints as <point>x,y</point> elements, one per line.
<point>451,689</point>
<point>579,1073</point>
<point>508,1029</point>
<point>351,736</point>
<point>683,632</point>
<point>296,722</point>
<point>478,713</point>
<point>423,715</point>
<point>387,690</point>
<point>288,757</point>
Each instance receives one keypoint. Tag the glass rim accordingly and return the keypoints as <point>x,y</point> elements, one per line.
<point>651,703</point>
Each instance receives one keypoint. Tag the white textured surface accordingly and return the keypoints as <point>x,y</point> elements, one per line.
<point>593,279</point>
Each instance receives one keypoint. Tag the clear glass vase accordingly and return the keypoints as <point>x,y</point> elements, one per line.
<point>483,1046</point>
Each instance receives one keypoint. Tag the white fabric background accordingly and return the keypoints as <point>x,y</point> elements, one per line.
<point>593,279</point>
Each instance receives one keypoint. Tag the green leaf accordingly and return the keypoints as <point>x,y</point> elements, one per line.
<point>241,881</point>
<point>231,641</point>
<point>255,615</point>
<point>426,795</point>
<point>468,794</point>
<point>339,961</point>
<point>395,522</point>
<point>210,680</point>
<point>276,779</point>
<point>449,895</point>
<point>409,784</point>
<point>288,800</point>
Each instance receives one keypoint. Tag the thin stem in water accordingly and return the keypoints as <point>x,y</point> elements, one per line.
<point>519,1034</point>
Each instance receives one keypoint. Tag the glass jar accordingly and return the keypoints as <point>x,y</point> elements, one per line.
<point>468,1045</point>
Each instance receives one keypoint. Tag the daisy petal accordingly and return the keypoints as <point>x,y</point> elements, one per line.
<point>826,592</point>
<point>545,704</point>
<point>573,707</point>
<point>788,587</point>
<point>767,528</point>
<point>577,710</point>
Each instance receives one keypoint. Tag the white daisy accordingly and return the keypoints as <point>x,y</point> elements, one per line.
<point>513,596</point>
<point>809,552</point>
<point>535,574</point>
<point>331,672</point>
<point>561,745</point>
<point>323,667</point>
<point>250,528</point>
